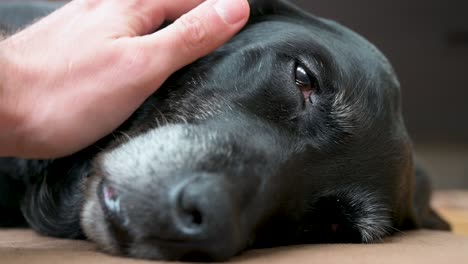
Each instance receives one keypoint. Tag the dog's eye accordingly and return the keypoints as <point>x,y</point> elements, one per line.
<point>305,83</point>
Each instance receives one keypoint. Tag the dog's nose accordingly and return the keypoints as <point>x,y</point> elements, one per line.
<point>204,215</point>
<point>201,208</point>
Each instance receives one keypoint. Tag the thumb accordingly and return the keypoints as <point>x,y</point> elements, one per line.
<point>195,34</point>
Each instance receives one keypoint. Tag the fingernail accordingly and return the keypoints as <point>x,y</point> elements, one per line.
<point>231,11</point>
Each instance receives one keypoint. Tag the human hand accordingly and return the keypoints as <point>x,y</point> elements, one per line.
<point>77,74</point>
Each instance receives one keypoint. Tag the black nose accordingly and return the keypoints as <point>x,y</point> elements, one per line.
<point>202,209</point>
<point>204,214</point>
<point>190,211</point>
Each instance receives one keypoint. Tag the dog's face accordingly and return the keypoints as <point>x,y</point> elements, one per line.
<point>290,133</point>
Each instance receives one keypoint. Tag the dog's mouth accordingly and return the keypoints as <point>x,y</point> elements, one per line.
<point>108,197</point>
<point>110,202</point>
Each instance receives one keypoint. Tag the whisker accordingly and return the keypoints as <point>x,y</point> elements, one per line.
<point>124,134</point>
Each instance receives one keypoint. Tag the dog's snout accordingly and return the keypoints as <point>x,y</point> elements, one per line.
<point>195,216</point>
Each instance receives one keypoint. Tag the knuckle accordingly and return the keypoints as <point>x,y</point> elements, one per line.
<point>194,34</point>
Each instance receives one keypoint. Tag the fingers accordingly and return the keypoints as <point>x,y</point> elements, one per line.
<point>176,8</point>
<point>195,34</point>
<point>134,17</point>
<point>146,16</point>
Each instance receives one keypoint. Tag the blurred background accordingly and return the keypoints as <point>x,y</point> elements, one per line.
<point>427,43</point>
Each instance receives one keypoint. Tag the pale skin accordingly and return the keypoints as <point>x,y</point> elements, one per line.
<point>77,74</point>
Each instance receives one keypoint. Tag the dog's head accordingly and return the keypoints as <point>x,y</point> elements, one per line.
<point>290,133</point>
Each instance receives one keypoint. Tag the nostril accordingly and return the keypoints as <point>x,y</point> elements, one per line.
<point>194,217</point>
<point>189,211</point>
<point>197,218</point>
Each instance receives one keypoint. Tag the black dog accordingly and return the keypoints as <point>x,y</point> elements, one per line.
<point>290,133</point>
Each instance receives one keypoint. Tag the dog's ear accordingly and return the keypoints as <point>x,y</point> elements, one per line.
<point>260,8</point>
<point>424,216</point>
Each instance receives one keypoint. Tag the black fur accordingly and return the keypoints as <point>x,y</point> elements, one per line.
<point>251,163</point>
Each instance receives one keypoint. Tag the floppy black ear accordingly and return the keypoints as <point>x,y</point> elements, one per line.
<point>425,216</point>
<point>274,7</point>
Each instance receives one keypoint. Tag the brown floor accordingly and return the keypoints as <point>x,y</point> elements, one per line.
<point>453,206</point>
